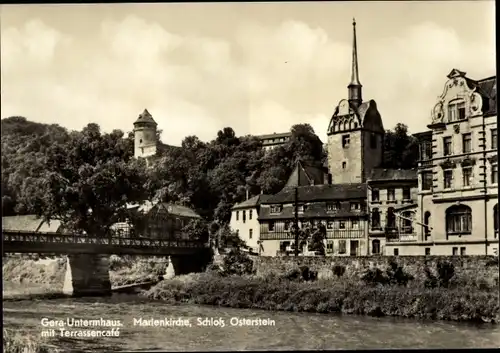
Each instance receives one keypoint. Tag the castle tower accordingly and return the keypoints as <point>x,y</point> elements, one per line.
<point>355,133</point>
<point>145,141</point>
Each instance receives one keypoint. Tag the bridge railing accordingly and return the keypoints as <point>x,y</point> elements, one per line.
<point>52,237</point>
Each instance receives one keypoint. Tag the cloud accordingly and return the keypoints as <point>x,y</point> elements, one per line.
<point>258,79</point>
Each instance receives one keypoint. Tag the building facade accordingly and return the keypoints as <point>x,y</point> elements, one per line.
<point>458,172</point>
<point>271,141</point>
<point>245,221</point>
<point>392,201</point>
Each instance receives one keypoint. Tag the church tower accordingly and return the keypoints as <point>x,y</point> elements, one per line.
<point>355,133</point>
<point>145,141</point>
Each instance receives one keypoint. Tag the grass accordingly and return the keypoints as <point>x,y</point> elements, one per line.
<point>15,342</point>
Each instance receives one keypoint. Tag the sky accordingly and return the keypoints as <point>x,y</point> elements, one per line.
<point>256,67</point>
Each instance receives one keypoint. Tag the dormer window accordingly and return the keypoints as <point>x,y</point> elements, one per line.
<point>301,208</point>
<point>456,111</point>
<point>332,206</point>
<point>276,208</point>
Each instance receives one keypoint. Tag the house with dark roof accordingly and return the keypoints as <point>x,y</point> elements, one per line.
<point>457,208</point>
<point>273,140</point>
<point>245,221</point>
<point>156,220</point>
<point>30,223</point>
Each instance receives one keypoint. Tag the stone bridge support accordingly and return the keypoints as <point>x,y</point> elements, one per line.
<point>184,264</point>
<point>87,275</point>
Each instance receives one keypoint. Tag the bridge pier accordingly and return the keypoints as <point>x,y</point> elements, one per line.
<point>87,275</point>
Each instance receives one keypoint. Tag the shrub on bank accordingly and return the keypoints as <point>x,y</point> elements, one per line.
<point>20,343</point>
<point>332,297</point>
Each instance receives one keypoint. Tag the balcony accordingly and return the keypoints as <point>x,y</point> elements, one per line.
<point>425,164</point>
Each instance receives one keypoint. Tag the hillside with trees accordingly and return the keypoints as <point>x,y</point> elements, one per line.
<point>52,171</point>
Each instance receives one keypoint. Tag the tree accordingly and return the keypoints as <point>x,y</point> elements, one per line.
<point>318,238</point>
<point>400,149</point>
<point>87,182</point>
<point>197,229</point>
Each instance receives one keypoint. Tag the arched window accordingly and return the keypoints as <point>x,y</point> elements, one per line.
<point>346,125</point>
<point>495,219</point>
<point>375,246</point>
<point>459,220</point>
<point>355,125</point>
<point>375,219</point>
<point>391,218</point>
<point>456,110</point>
<point>427,219</point>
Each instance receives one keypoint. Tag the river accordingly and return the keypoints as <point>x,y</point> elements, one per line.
<point>291,331</point>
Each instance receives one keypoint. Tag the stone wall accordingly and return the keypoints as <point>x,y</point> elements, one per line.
<point>482,266</point>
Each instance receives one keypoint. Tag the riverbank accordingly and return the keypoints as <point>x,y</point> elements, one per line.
<point>344,296</point>
<point>44,277</point>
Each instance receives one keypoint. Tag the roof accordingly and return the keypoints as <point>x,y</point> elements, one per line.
<point>367,115</point>
<point>29,223</point>
<point>306,173</point>
<point>251,202</point>
<point>314,210</point>
<point>319,193</point>
<point>424,135</point>
<point>380,174</point>
<point>171,208</point>
<point>274,135</point>
<point>145,117</point>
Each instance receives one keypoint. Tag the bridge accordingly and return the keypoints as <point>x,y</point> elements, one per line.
<point>87,268</point>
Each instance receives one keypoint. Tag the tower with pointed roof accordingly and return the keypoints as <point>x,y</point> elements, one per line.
<point>145,140</point>
<point>355,133</point>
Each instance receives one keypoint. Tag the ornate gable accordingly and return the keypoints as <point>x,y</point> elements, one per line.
<point>458,101</point>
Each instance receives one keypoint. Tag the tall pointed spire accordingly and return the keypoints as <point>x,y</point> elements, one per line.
<point>355,86</point>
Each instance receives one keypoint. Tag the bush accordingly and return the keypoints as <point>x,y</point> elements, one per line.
<point>446,271</point>
<point>394,274</point>
<point>374,276</point>
<point>338,270</point>
<point>237,263</point>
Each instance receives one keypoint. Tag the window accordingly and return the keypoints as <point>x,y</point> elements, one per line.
<point>375,219</point>
<point>426,150</point>
<point>391,218</point>
<point>494,173</point>
<point>373,141</point>
<point>495,219</point>
<point>427,218</point>
<point>426,180</point>
<point>332,206</point>
<point>447,146</point>
<point>375,195</point>
<point>459,220</point>
<point>355,223</point>
<point>396,252</point>
<point>407,222</point>
<point>346,139</point>
<point>244,216</point>
<point>467,143</point>
<point>427,251</point>
<point>271,226</point>
<point>237,215</point>
<point>250,214</point>
<point>406,194</point>
<point>287,226</point>
<point>462,251</point>
<point>250,233</point>
<point>454,251</point>
<point>448,178</point>
<point>301,208</point>
<point>494,139</point>
<point>342,246</point>
<point>341,224</point>
<point>344,165</point>
<point>467,175</point>
<point>456,111</point>
<point>391,194</point>
<point>276,208</point>
<point>329,225</point>
<point>376,247</point>
<point>355,206</point>
<point>329,247</point>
